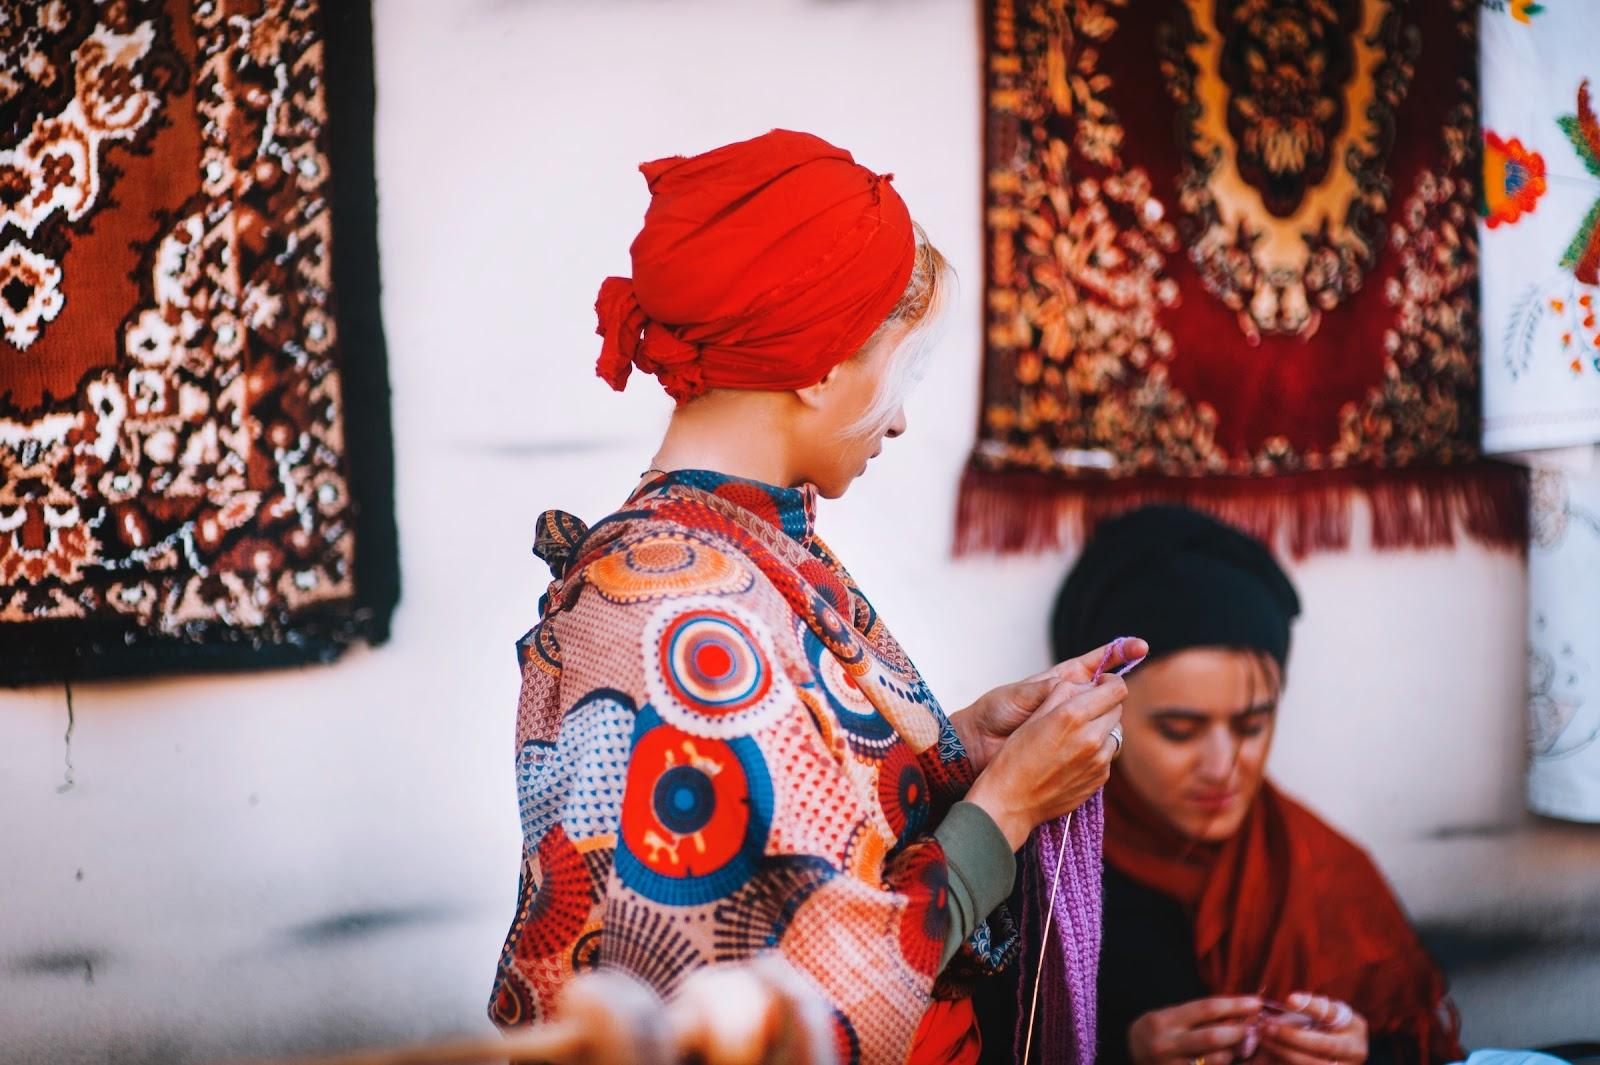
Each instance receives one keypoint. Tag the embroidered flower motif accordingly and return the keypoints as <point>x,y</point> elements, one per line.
<point>1580,329</point>
<point>1513,179</point>
<point>1524,10</point>
<point>1572,297</point>
<point>1582,256</point>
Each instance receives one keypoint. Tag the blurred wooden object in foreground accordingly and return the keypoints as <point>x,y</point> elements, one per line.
<point>758,1013</point>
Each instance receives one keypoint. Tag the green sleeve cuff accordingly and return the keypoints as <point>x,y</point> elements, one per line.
<point>982,868</point>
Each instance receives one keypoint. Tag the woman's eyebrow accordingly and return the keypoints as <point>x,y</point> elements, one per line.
<point>1179,713</point>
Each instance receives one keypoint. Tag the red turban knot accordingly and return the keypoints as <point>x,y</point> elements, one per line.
<point>632,339</point>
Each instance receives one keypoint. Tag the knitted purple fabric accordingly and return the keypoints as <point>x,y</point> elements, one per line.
<point>1064,1028</point>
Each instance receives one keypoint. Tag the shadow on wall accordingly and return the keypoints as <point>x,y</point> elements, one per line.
<point>53,963</point>
<point>360,924</point>
<point>1461,946</point>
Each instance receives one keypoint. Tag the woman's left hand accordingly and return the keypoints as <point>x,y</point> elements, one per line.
<point>984,725</point>
<point>1340,1036</point>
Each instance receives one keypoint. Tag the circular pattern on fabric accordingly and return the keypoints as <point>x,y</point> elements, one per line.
<point>869,732</point>
<point>667,565</point>
<point>755,918</point>
<point>822,718</point>
<point>865,852</point>
<point>684,799</point>
<point>926,919</point>
<point>760,501</point>
<point>660,557</point>
<point>560,904</point>
<point>586,951</point>
<point>710,660</point>
<point>903,792</point>
<point>866,615</point>
<point>826,582</point>
<point>840,639</point>
<point>541,648</point>
<point>650,943</point>
<point>708,673</point>
<point>513,1002</point>
<point>695,814</point>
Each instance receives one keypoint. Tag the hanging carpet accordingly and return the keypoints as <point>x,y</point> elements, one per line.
<point>195,466</point>
<point>1231,260</point>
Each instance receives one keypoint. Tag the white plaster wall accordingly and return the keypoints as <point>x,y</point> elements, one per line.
<point>328,856</point>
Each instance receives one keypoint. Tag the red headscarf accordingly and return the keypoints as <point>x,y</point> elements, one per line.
<point>1287,904</point>
<point>761,265</point>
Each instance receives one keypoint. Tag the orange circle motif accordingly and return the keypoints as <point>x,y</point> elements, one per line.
<point>664,566</point>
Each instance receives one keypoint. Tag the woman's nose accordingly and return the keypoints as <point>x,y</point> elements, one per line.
<point>897,427</point>
<point>1217,756</point>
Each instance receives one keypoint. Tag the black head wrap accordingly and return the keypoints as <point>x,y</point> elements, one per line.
<point>1176,578</point>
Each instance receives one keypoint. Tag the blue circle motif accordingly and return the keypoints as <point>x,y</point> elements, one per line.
<point>684,799</point>
<point>716,883</point>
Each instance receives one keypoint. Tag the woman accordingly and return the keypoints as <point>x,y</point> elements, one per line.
<point>1220,891</point>
<point>722,751</point>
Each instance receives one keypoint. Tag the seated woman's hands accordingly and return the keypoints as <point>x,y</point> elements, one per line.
<point>1043,745</point>
<point>1207,1031</point>
<point>1340,1036</point>
<point>1212,1031</point>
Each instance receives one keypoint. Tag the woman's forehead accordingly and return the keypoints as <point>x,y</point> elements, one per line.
<point>1207,680</point>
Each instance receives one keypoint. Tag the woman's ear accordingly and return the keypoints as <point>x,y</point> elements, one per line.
<point>814,396</point>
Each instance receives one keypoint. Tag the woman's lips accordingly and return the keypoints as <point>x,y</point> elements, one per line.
<point>1212,800</point>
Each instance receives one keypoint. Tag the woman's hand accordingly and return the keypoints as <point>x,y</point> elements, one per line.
<point>985,725</point>
<point>1058,756</point>
<point>1204,1032</point>
<point>1340,1036</point>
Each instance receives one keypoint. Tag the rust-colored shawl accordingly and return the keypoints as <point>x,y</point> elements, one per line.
<point>1287,904</point>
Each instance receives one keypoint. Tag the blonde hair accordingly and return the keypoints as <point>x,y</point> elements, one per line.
<point>919,313</point>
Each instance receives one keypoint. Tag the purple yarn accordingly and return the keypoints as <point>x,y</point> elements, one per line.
<point>1065,1020</point>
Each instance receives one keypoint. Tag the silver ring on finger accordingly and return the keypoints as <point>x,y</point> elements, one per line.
<point>1116,737</point>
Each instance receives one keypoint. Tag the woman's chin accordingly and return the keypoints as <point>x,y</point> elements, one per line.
<point>1213,826</point>
<point>837,484</point>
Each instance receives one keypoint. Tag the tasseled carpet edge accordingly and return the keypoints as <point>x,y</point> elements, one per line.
<point>1012,511</point>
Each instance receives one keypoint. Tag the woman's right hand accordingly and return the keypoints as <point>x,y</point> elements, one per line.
<point>1055,760</point>
<point>1207,1031</point>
